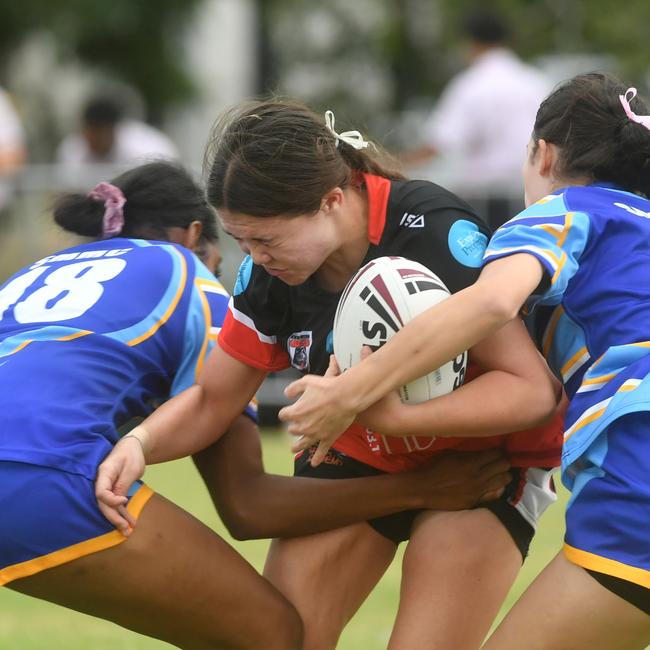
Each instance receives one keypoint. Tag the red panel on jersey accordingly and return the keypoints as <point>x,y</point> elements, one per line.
<point>537,447</point>
<point>378,189</point>
<point>243,343</point>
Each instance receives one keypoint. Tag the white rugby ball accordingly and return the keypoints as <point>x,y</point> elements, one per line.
<point>377,302</point>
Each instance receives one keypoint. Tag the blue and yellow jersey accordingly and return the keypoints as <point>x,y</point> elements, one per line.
<point>594,244</point>
<point>94,336</point>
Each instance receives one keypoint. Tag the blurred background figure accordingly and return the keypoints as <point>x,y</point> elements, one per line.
<point>483,119</point>
<point>107,136</point>
<point>12,150</point>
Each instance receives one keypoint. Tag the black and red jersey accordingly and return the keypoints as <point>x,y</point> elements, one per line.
<point>273,326</point>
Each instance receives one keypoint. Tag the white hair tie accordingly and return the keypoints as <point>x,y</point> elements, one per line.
<point>353,138</point>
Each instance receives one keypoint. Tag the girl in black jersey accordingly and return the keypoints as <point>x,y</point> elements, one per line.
<point>309,206</point>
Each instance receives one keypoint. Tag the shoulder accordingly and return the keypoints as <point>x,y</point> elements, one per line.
<point>434,203</point>
<point>606,202</point>
<point>431,225</point>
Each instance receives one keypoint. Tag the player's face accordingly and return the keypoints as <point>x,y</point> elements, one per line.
<point>290,248</point>
<point>536,184</point>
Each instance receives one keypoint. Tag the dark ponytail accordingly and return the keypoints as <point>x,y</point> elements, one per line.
<point>79,214</point>
<point>159,196</point>
<point>585,118</point>
<point>277,157</point>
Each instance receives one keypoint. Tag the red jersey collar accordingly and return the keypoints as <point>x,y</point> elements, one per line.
<point>378,190</point>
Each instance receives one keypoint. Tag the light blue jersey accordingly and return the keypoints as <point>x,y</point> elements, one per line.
<point>93,336</point>
<point>594,243</point>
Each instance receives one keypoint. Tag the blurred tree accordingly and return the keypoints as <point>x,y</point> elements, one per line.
<point>136,40</point>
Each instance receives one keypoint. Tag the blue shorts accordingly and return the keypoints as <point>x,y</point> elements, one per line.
<point>608,515</point>
<point>49,517</point>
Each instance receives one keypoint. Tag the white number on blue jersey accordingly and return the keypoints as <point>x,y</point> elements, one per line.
<point>69,291</point>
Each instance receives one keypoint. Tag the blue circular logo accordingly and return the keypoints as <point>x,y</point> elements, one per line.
<point>467,243</point>
<point>243,275</point>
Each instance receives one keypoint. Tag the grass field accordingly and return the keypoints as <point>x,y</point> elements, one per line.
<point>29,624</point>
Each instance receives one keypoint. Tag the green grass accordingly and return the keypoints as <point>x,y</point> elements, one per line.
<point>30,624</point>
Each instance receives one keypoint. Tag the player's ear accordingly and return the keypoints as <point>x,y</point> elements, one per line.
<point>192,235</point>
<point>332,200</point>
<point>547,156</point>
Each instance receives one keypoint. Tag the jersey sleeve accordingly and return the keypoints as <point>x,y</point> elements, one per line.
<point>554,235</point>
<point>255,314</point>
<point>205,317</point>
<point>207,307</point>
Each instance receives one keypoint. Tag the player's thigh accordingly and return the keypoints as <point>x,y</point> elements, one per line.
<point>327,576</point>
<point>458,568</point>
<point>174,579</point>
<point>566,609</point>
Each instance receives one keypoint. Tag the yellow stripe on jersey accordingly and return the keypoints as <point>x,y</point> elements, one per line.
<point>598,380</point>
<point>550,330</point>
<point>609,567</point>
<point>74,552</point>
<point>567,226</point>
<point>215,284</point>
<point>69,337</point>
<point>76,335</point>
<point>597,410</point>
<point>585,421</point>
<point>207,317</point>
<point>560,242</point>
<point>170,310</point>
<point>574,363</point>
<point>555,230</point>
<point>559,268</point>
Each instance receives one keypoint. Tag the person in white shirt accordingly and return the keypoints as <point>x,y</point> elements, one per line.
<point>107,137</point>
<point>484,117</point>
<point>12,148</point>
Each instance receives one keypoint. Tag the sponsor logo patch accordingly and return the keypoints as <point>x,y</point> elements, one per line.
<point>298,345</point>
<point>467,243</point>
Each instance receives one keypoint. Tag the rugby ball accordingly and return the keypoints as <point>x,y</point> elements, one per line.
<point>377,302</point>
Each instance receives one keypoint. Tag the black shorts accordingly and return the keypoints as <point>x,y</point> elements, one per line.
<point>634,594</point>
<point>397,527</point>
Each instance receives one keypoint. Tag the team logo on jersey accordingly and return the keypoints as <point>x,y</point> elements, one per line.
<point>412,220</point>
<point>298,345</point>
<point>467,243</point>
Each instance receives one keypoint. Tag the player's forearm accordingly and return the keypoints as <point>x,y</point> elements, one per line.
<point>492,404</point>
<point>184,425</point>
<point>282,506</point>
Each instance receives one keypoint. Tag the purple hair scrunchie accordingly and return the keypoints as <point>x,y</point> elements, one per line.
<point>114,201</point>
